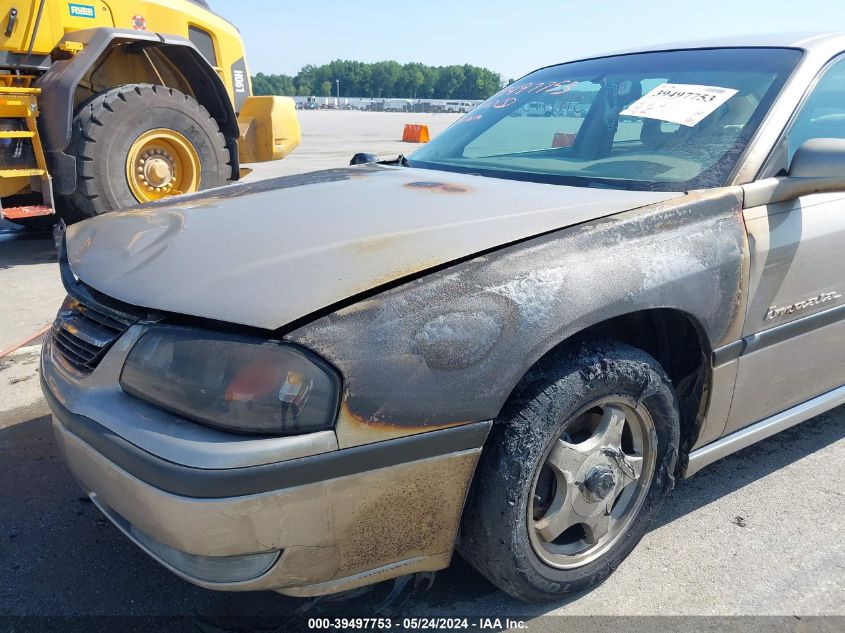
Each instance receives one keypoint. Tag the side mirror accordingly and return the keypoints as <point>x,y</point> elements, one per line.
<point>818,166</point>
<point>819,158</point>
<point>361,158</point>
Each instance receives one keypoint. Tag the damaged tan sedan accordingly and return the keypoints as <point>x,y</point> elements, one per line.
<point>510,343</point>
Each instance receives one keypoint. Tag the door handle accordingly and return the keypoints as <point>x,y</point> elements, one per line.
<point>13,19</point>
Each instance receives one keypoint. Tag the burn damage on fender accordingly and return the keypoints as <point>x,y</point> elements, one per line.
<point>449,347</point>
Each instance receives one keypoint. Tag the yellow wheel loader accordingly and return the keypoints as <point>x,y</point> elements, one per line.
<point>108,104</point>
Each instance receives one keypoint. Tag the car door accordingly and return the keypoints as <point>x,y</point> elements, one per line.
<point>795,322</point>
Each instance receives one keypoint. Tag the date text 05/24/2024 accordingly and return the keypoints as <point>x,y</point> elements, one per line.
<point>422,624</point>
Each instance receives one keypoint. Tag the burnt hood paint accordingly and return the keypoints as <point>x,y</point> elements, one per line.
<point>265,254</point>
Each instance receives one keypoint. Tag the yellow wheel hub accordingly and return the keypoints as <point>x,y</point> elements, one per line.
<point>162,163</point>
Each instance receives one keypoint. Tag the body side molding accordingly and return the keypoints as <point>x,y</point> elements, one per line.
<point>743,438</point>
<point>777,334</point>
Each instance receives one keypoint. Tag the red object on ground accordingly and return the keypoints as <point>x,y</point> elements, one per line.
<point>563,139</point>
<point>29,339</point>
<point>17,213</point>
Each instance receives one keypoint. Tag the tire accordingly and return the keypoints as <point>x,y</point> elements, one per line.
<point>577,392</point>
<point>107,127</point>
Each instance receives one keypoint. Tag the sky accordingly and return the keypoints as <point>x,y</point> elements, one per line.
<point>511,37</point>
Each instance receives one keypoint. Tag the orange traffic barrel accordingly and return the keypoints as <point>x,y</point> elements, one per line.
<point>415,133</point>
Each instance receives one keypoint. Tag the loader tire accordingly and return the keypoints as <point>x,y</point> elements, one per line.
<point>116,132</point>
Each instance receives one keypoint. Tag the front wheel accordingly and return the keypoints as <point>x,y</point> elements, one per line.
<point>139,143</point>
<point>574,471</point>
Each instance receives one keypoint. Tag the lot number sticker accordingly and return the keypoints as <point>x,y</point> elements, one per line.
<point>684,104</point>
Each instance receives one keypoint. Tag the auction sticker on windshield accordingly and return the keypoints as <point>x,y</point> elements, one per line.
<point>685,104</point>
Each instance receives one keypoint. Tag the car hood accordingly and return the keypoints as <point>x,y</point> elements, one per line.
<point>267,253</point>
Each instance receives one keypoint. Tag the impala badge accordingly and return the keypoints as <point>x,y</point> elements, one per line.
<point>825,297</point>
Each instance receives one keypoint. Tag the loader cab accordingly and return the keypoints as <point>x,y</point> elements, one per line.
<point>30,30</point>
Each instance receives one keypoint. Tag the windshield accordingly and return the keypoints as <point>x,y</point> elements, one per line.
<point>668,121</point>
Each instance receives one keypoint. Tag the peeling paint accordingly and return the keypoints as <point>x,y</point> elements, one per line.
<point>457,339</point>
<point>437,187</point>
<point>535,293</point>
<point>687,254</point>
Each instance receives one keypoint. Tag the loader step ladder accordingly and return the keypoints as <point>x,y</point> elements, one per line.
<point>19,100</point>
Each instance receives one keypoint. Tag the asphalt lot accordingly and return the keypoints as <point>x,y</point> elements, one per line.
<point>759,533</point>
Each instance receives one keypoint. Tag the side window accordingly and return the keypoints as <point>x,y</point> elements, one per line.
<point>823,114</point>
<point>202,40</point>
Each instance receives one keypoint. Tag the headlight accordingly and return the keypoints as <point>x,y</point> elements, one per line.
<point>235,383</point>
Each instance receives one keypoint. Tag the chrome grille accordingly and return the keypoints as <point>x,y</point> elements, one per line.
<point>82,334</point>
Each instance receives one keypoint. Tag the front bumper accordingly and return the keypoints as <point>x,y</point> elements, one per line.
<point>324,522</point>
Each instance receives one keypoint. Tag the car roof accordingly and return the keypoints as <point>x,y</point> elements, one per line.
<point>819,46</point>
<point>810,41</point>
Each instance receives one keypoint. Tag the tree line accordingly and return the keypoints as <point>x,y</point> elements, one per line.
<point>387,80</point>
